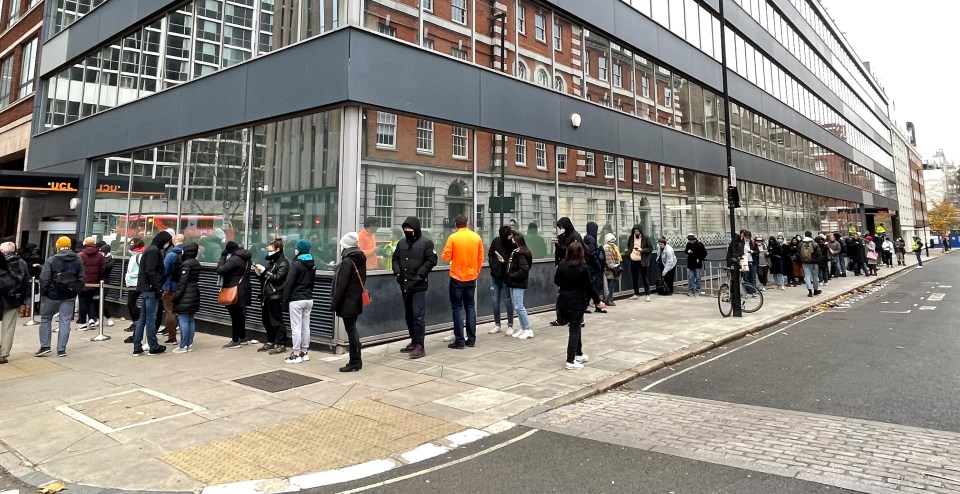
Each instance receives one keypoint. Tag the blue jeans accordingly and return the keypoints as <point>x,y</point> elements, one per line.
<point>461,298</point>
<point>501,291</point>
<point>694,279</point>
<point>517,295</point>
<point>810,277</point>
<point>842,259</point>
<point>148,322</point>
<point>48,308</point>
<point>188,329</point>
<point>611,289</point>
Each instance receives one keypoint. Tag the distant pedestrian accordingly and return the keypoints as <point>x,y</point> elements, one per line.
<point>109,262</point>
<point>576,290</point>
<point>150,286</point>
<point>640,248</point>
<point>61,281</point>
<point>836,255</point>
<point>413,259</point>
<point>28,253</point>
<point>298,299</point>
<point>518,273</point>
<point>500,249</point>
<point>14,282</point>
<point>900,248</point>
<point>171,268</point>
<point>130,281</point>
<point>234,270</point>
<point>775,263</point>
<point>613,268</point>
<point>186,297</point>
<point>346,300</point>
<point>696,254</point>
<point>464,252</point>
<point>810,254</point>
<point>273,277</point>
<point>872,256</point>
<point>93,265</point>
<point>917,247</point>
<point>667,262</point>
<point>595,259</point>
<point>567,237</point>
<point>763,268</point>
<point>887,250</point>
<point>535,242</point>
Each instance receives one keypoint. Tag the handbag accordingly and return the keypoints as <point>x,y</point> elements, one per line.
<point>364,295</point>
<point>872,255</point>
<point>228,296</point>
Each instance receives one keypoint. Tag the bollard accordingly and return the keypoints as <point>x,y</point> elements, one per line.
<point>101,336</point>
<point>33,303</point>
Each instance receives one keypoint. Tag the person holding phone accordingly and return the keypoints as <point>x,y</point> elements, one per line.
<point>576,290</point>
<point>272,278</point>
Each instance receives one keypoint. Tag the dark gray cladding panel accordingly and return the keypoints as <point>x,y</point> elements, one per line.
<point>507,104</point>
<point>598,126</point>
<point>156,119</point>
<point>100,25</point>
<point>600,13</point>
<point>214,102</point>
<point>755,169</point>
<point>641,138</point>
<point>392,75</point>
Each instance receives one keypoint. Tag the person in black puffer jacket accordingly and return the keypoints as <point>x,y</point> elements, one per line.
<point>576,288</point>
<point>234,269</point>
<point>497,254</point>
<point>272,278</point>
<point>561,243</point>
<point>186,299</point>
<point>347,298</point>
<point>518,273</point>
<point>413,260</point>
<point>150,285</point>
<point>298,299</point>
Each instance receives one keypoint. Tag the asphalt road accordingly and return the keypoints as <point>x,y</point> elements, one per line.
<point>547,462</point>
<point>891,357</point>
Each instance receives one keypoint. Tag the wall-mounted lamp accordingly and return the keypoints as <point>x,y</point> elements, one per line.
<point>575,120</point>
<point>74,202</point>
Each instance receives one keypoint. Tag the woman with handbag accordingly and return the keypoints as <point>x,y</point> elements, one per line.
<point>298,299</point>
<point>614,267</point>
<point>186,299</point>
<point>347,299</point>
<point>272,277</point>
<point>518,272</point>
<point>234,271</point>
<point>640,248</point>
<point>871,252</point>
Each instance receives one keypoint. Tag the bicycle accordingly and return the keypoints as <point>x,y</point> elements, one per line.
<point>751,297</point>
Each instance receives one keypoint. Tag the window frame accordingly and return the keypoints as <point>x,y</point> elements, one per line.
<point>461,8</point>
<point>425,136</point>
<point>560,164</point>
<point>383,123</point>
<point>455,136</point>
<point>520,152</point>
<point>541,155</point>
<point>540,28</point>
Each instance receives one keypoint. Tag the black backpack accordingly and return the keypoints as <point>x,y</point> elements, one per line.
<point>67,282</point>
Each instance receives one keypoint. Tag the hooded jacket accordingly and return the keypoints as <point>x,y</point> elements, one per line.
<point>594,254</point>
<point>564,239</point>
<point>413,261</point>
<point>775,251</point>
<point>300,280</point>
<point>63,261</point>
<point>696,253</point>
<point>170,265</point>
<point>93,265</point>
<point>8,283</point>
<point>645,247</point>
<point>133,267</point>
<point>274,277</point>
<point>234,269</point>
<point>151,275</point>
<point>518,268</point>
<point>186,295</point>
<point>346,299</point>
<point>20,272</point>
<point>504,246</point>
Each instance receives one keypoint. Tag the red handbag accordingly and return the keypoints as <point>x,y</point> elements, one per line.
<point>365,295</point>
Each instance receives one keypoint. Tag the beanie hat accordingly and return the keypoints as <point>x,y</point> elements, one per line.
<point>64,243</point>
<point>609,237</point>
<point>303,246</point>
<point>691,237</point>
<point>349,240</point>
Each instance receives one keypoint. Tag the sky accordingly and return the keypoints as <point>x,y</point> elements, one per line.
<point>912,50</point>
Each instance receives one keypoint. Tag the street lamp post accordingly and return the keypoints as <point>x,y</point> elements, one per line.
<point>733,195</point>
<point>502,17</point>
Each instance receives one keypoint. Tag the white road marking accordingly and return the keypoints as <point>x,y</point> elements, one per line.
<point>896,311</point>
<point>423,452</point>
<point>936,297</point>
<point>928,307</point>
<point>445,465</point>
<point>731,351</point>
<point>945,286</point>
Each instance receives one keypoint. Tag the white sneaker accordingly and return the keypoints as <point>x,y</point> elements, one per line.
<point>294,359</point>
<point>450,337</point>
<point>517,333</point>
<point>92,323</point>
<point>160,328</point>
<point>110,321</point>
<point>305,356</point>
<point>526,334</point>
<point>574,365</point>
<point>181,349</point>
<point>496,329</point>
<point>511,331</point>
<point>82,326</point>
<point>190,348</point>
<point>581,358</point>
<point>648,298</point>
<point>635,297</point>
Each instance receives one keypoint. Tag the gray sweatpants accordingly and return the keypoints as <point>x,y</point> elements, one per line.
<point>300,324</point>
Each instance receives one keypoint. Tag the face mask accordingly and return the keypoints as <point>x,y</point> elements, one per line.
<point>270,255</point>
<point>408,236</point>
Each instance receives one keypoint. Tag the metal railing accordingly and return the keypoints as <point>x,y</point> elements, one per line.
<point>33,302</point>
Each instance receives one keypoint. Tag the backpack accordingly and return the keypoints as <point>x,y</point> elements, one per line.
<point>23,283</point>
<point>67,282</point>
<point>808,251</point>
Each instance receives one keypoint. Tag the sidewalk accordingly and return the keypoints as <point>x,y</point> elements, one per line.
<point>104,419</point>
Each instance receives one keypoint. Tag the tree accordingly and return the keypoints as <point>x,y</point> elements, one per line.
<point>942,217</point>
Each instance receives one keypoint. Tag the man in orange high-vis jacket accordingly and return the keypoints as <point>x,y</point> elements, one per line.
<point>367,241</point>
<point>464,251</point>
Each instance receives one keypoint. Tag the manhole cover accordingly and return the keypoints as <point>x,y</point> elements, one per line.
<point>276,381</point>
<point>120,411</point>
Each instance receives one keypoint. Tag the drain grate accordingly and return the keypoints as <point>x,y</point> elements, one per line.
<point>276,381</point>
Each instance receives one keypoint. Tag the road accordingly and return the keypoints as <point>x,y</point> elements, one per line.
<point>861,397</point>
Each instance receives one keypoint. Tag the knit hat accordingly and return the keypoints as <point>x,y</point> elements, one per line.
<point>691,237</point>
<point>609,237</point>
<point>349,240</point>
<point>303,246</point>
<point>64,243</point>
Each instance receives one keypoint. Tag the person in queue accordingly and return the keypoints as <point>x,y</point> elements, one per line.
<point>464,251</point>
<point>186,297</point>
<point>272,278</point>
<point>567,237</point>
<point>150,286</point>
<point>518,274</point>
<point>639,248</point>
<point>298,299</point>
<point>171,267</point>
<point>413,259</point>
<point>576,291</point>
<point>346,300</point>
<point>500,249</point>
<point>234,270</point>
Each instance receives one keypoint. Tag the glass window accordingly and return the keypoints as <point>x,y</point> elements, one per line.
<point>14,12</point>
<point>424,136</point>
<point>461,142</point>
<point>602,68</point>
<point>541,156</point>
<point>617,75</point>
<point>636,171</point>
<point>6,81</point>
<point>693,23</point>
<point>386,130</point>
<point>559,84</point>
<point>648,173</point>
<point>608,166</point>
<point>542,77</point>
<point>621,171</point>
<point>677,22</point>
<point>591,169</point>
<point>706,31</point>
<point>661,12</point>
<point>540,27</point>
<point>427,5</point>
<point>425,206</point>
<point>521,18</point>
<point>557,37</point>
<point>28,66</point>
<point>458,11</point>
<point>521,152</point>
<point>521,70</point>
<point>561,159</point>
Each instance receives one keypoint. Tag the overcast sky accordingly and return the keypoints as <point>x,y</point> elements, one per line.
<point>912,49</point>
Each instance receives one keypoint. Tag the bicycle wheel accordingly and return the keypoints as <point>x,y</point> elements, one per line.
<point>751,297</point>
<point>723,300</point>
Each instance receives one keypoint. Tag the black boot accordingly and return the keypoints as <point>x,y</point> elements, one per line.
<point>355,363</point>
<point>809,293</point>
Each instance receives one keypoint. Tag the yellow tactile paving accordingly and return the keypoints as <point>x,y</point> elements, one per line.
<point>26,365</point>
<point>348,434</point>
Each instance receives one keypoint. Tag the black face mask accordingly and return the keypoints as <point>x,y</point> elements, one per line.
<point>272,255</point>
<point>409,236</point>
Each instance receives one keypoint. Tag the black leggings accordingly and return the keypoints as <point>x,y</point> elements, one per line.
<point>238,321</point>
<point>132,297</point>
<point>272,318</point>
<point>641,272</point>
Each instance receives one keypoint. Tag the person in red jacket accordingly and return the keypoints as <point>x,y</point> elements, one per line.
<point>94,265</point>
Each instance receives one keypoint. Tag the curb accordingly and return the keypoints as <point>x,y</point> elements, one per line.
<point>691,351</point>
